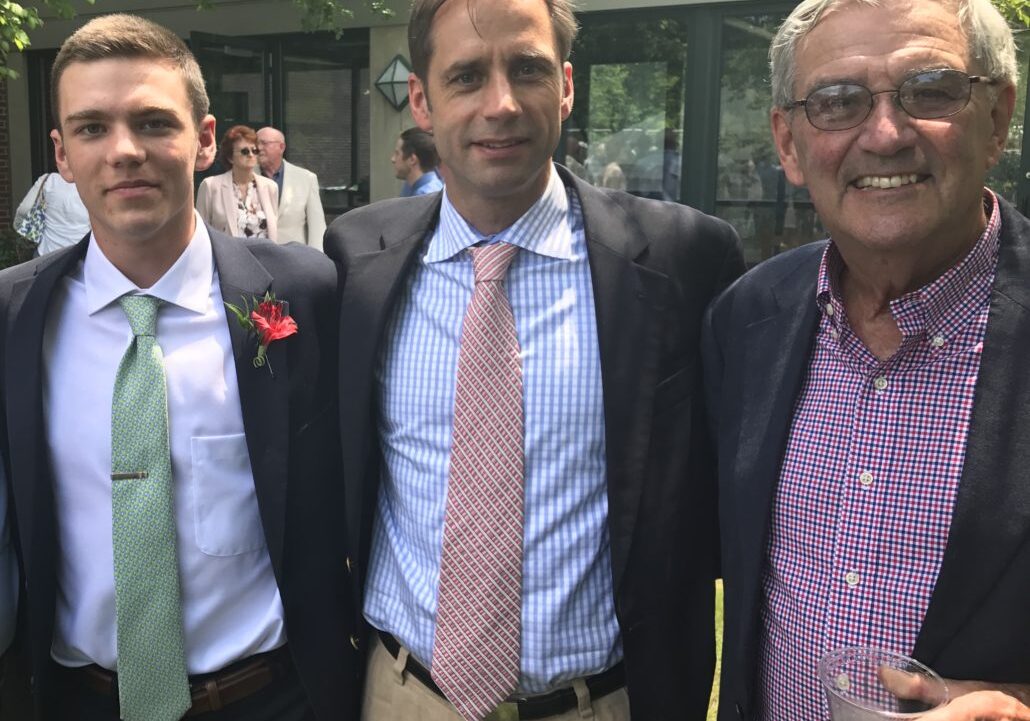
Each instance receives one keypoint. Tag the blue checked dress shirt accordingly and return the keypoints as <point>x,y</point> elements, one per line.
<point>569,629</point>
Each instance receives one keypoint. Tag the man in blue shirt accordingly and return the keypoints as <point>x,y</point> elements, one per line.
<point>414,161</point>
<point>526,499</point>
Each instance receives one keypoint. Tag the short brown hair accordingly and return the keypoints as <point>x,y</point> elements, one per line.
<point>236,132</point>
<point>417,142</point>
<point>129,36</point>
<point>563,20</point>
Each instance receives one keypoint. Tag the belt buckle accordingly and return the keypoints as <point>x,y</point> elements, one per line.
<point>507,711</point>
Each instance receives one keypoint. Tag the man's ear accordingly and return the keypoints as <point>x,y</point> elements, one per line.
<point>418,97</point>
<point>1001,114</point>
<point>207,145</point>
<point>61,156</point>
<point>786,145</point>
<point>568,92</point>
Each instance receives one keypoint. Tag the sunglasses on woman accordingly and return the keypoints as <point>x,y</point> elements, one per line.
<point>247,152</point>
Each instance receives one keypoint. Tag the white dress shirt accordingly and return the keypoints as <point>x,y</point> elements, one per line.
<point>8,571</point>
<point>230,600</point>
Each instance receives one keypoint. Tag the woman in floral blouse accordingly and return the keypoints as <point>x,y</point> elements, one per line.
<point>240,202</point>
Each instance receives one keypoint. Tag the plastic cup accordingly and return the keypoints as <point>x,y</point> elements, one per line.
<point>863,684</point>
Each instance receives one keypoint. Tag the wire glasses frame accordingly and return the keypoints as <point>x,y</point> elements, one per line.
<point>928,95</point>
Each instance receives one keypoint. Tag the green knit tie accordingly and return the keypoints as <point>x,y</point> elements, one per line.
<point>152,679</point>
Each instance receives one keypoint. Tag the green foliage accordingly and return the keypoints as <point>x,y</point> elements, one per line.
<point>17,21</point>
<point>1017,12</point>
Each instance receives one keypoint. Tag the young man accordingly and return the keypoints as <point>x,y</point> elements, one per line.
<point>173,482</point>
<point>414,161</point>
<point>532,507</point>
<point>301,218</point>
<point>869,395</point>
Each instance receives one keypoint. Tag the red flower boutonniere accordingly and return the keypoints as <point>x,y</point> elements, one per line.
<point>268,319</point>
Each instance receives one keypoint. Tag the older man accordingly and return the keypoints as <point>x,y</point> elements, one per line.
<point>869,394</point>
<point>529,503</point>
<point>301,218</point>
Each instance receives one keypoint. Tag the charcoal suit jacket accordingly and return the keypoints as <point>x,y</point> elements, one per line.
<point>758,340</point>
<point>290,421</point>
<point>654,266</point>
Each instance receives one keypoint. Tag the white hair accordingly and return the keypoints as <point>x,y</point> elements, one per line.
<point>989,36</point>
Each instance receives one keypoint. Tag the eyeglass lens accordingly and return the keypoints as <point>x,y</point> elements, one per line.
<point>928,95</point>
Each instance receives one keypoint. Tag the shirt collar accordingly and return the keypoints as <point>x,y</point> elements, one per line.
<point>423,180</point>
<point>544,229</point>
<point>186,284</point>
<point>937,307</point>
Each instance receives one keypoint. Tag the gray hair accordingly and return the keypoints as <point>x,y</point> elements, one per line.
<point>990,40</point>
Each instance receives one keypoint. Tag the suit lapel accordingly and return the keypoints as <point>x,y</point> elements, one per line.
<point>31,483</point>
<point>264,393</point>
<point>287,194</point>
<point>229,203</point>
<point>776,353</point>
<point>370,291</point>
<point>630,304</point>
<point>991,519</point>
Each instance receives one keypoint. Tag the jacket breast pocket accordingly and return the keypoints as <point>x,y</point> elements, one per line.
<point>225,507</point>
<point>674,390</point>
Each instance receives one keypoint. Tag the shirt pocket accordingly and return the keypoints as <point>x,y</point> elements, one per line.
<point>225,507</point>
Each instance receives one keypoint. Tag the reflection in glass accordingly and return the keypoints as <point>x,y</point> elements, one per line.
<point>752,192</point>
<point>626,128</point>
<point>1004,177</point>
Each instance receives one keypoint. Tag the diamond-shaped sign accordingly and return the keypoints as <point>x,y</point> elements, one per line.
<point>393,82</point>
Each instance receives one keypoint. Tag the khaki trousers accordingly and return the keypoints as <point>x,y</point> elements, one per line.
<point>392,694</point>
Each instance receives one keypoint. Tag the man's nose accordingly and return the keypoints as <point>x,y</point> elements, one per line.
<point>500,97</point>
<point>888,127</point>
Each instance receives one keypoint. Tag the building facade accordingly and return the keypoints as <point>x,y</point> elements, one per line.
<point>671,102</point>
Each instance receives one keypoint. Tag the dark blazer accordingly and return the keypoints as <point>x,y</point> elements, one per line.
<point>290,421</point>
<point>654,266</point>
<point>758,339</point>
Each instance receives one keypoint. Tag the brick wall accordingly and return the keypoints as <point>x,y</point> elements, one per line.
<point>6,201</point>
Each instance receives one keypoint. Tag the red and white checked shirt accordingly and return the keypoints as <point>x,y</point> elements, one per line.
<point>869,479</point>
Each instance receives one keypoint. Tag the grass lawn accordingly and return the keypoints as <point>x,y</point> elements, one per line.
<point>713,704</point>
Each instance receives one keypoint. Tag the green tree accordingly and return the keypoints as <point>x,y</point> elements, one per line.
<point>17,21</point>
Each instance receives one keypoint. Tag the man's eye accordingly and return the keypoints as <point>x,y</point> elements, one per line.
<point>155,124</point>
<point>90,129</point>
<point>528,70</point>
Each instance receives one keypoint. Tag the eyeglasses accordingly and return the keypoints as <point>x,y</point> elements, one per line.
<point>246,152</point>
<point>928,95</point>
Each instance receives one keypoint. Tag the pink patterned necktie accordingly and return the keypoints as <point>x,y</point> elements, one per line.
<point>478,618</point>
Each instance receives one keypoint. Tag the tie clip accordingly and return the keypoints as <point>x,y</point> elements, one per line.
<point>134,476</point>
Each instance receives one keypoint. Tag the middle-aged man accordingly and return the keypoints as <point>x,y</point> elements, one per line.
<point>414,161</point>
<point>530,506</point>
<point>172,479</point>
<point>301,218</point>
<point>870,395</point>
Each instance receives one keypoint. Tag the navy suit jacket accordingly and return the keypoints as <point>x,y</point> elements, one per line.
<point>758,339</point>
<point>655,266</point>
<point>290,423</point>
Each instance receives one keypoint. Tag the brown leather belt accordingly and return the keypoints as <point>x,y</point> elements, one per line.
<point>554,703</point>
<point>212,691</point>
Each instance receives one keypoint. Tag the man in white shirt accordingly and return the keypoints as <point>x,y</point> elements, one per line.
<point>301,217</point>
<point>183,561</point>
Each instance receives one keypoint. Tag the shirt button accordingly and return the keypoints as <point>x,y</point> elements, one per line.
<point>829,310</point>
<point>852,579</point>
<point>938,341</point>
<point>834,333</point>
<point>880,383</point>
<point>866,478</point>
